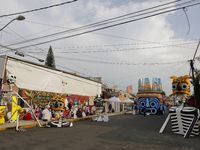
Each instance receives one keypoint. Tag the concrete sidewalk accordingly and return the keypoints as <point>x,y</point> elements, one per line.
<point>31,123</point>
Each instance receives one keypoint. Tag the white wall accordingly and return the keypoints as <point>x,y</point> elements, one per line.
<point>34,77</point>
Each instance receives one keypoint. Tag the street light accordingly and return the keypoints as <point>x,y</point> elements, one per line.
<point>22,55</point>
<point>20,17</point>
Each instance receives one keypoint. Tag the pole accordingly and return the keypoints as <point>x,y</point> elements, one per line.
<point>192,62</point>
<point>193,78</point>
<point>7,24</point>
<point>192,68</point>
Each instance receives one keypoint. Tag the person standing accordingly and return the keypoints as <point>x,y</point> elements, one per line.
<point>136,109</point>
<point>93,110</point>
<point>144,110</point>
<point>110,108</point>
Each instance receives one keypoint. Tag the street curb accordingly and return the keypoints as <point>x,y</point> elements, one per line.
<point>84,118</point>
<point>35,124</point>
<point>31,125</point>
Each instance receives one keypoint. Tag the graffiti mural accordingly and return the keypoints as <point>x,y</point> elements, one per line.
<point>78,99</point>
<point>41,98</point>
<point>38,98</point>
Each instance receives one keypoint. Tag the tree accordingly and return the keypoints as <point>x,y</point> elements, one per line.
<point>50,61</point>
<point>163,93</point>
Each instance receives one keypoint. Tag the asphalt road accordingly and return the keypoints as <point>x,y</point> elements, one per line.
<point>128,132</point>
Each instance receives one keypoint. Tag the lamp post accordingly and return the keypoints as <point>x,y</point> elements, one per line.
<point>20,17</point>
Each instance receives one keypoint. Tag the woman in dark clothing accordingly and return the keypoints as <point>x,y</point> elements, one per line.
<point>110,108</point>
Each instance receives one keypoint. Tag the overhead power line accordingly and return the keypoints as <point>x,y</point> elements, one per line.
<point>78,18</point>
<point>100,23</point>
<point>109,26</point>
<point>37,9</point>
<point>90,47</point>
<point>120,63</point>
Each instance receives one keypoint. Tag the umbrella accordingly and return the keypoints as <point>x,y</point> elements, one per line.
<point>114,99</point>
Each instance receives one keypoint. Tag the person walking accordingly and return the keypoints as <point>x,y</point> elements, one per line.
<point>144,110</point>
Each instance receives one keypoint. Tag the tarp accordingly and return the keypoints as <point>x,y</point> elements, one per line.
<point>34,77</point>
<point>114,99</point>
<point>128,101</point>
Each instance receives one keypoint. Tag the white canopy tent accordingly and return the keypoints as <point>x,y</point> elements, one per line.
<point>128,101</point>
<point>126,105</point>
<point>114,99</point>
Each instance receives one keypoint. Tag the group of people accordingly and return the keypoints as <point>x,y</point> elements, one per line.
<point>70,112</point>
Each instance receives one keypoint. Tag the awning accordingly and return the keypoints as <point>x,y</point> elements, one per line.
<point>128,101</point>
<point>114,99</point>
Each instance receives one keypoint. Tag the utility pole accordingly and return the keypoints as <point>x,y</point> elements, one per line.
<point>196,87</point>
<point>192,69</point>
<point>192,62</point>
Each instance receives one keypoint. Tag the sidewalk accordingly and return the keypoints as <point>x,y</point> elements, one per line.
<point>31,123</point>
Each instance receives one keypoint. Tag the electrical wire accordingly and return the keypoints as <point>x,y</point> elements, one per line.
<point>177,70</point>
<point>98,23</point>
<point>113,45</point>
<point>28,11</point>
<point>185,9</point>
<point>152,71</point>
<point>111,6</point>
<point>53,40</point>
<point>119,63</point>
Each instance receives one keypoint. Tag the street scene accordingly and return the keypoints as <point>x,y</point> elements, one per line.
<point>122,132</point>
<point>100,74</point>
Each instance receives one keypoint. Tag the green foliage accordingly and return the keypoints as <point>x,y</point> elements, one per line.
<point>163,93</point>
<point>50,61</point>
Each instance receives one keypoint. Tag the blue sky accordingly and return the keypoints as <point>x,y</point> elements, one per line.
<point>160,39</point>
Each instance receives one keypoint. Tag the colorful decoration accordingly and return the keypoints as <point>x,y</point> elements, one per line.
<point>147,86</point>
<point>58,103</point>
<point>184,121</point>
<point>150,97</point>
<point>159,84</point>
<point>41,99</point>
<point>181,85</point>
<point>152,100</point>
<point>99,104</point>
<point>140,85</point>
<point>2,114</point>
<point>156,85</point>
<point>58,106</point>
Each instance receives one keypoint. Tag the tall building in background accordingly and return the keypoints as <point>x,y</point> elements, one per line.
<point>129,89</point>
